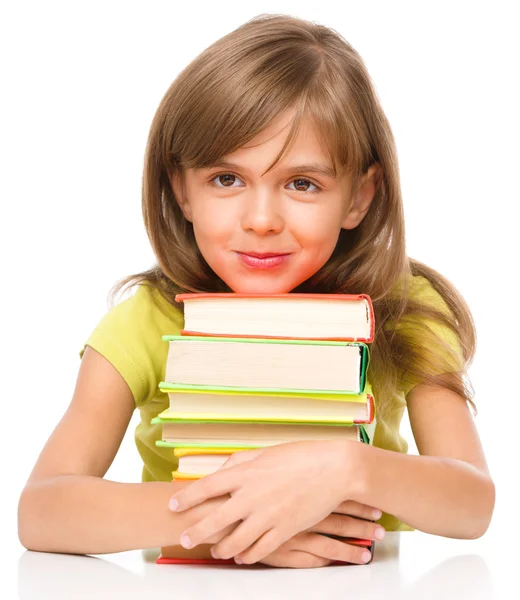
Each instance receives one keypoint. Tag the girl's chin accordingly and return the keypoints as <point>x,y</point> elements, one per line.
<point>260,283</point>
<point>261,289</point>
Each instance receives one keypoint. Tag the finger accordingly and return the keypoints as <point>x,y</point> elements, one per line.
<point>265,545</point>
<point>292,553</point>
<point>242,537</point>
<point>345,526</point>
<point>295,559</point>
<point>215,484</point>
<point>217,520</point>
<point>305,560</point>
<point>220,535</point>
<point>239,457</point>
<point>356,509</point>
<point>337,550</point>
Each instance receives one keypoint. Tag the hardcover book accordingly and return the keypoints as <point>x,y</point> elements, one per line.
<point>348,317</point>
<point>249,404</point>
<point>201,554</point>
<point>267,364</point>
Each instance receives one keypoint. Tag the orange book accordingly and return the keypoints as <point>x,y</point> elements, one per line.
<point>340,317</point>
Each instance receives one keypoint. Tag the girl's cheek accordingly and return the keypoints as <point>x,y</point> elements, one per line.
<point>215,215</point>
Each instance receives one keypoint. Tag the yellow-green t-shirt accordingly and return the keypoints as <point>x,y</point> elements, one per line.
<point>130,337</point>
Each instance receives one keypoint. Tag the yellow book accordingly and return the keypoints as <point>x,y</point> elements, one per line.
<point>248,405</point>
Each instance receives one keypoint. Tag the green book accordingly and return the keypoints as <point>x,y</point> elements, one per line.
<point>267,365</point>
<point>183,434</point>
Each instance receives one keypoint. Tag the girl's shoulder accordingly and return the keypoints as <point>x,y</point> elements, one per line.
<point>421,290</point>
<point>438,345</point>
<point>419,325</point>
<point>130,334</point>
<point>149,300</point>
<point>145,313</point>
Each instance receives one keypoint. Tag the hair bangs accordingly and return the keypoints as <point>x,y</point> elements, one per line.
<point>236,104</point>
<point>335,130</point>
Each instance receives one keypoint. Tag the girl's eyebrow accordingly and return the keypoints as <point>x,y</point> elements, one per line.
<point>309,168</point>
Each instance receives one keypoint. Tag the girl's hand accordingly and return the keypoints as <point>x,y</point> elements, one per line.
<point>309,549</point>
<point>306,480</point>
<point>212,504</point>
<point>208,507</point>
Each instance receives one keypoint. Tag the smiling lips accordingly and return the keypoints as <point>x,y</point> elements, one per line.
<point>264,260</point>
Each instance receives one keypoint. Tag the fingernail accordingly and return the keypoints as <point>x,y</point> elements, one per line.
<point>380,533</point>
<point>213,553</point>
<point>185,541</point>
<point>377,514</point>
<point>173,505</point>
<point>366,556</point>
<point>239,561</point>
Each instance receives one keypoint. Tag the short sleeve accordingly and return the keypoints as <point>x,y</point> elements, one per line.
<point>104,340</point>
<point>129,336</point>
<point>439,345</point>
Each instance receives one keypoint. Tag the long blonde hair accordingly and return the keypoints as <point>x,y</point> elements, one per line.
<point>229,94</point>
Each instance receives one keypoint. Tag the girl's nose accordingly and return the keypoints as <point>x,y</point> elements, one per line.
<point>262,213</point>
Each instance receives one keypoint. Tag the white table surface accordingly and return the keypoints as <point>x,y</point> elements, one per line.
<point>407,565</point>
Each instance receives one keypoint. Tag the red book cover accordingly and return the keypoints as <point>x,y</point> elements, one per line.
<point>194,561</point>
<point>165,560</point>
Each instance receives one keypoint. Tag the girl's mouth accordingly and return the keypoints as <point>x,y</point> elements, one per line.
<point>263,261</point>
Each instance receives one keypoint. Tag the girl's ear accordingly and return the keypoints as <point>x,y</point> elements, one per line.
<point>179,191</point>
<point>362,197</point>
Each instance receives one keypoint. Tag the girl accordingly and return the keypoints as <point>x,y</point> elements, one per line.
<point>271,142</point>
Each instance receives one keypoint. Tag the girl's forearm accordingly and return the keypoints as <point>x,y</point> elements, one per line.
<point>88,515</point>
<point>438,495</point>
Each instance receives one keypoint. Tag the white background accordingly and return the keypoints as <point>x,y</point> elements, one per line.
<point>81,82</point>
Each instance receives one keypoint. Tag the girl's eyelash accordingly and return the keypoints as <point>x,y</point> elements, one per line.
<point>318,188</point>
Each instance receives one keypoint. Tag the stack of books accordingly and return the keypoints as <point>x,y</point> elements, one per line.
<point>255,370</point>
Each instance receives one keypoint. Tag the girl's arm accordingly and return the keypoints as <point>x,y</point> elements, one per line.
<point>447,490</point>
<point>67,506</point>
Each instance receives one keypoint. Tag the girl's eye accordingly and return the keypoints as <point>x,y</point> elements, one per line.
<point>300,181</point>
<point>306,182</point>
<point>222,176</point>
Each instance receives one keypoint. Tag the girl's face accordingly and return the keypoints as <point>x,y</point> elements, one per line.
<point>294,214</point>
